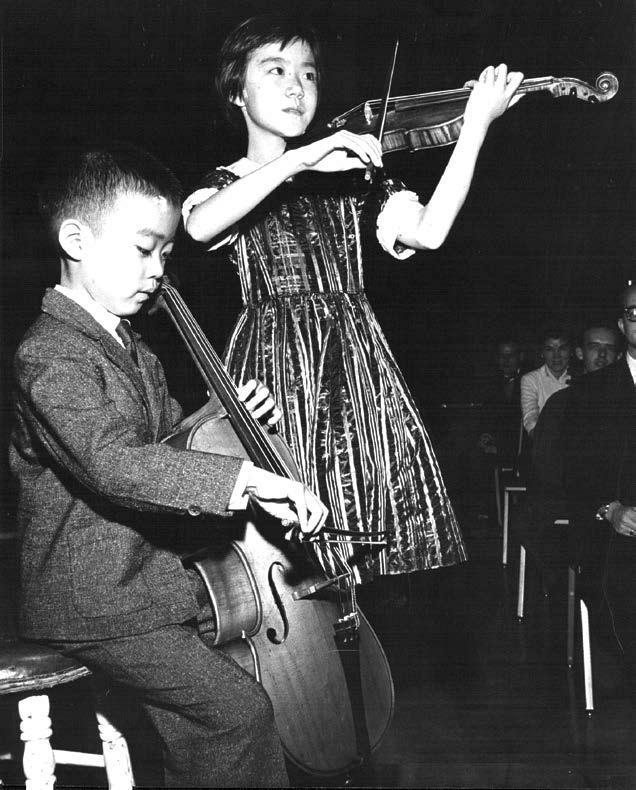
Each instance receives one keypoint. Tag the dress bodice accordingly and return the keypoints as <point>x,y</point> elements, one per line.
<point>302,240</point>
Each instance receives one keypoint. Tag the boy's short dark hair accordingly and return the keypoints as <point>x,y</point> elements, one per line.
<point>258,31</point>
<point>555,332</point>
<point>85,182</point>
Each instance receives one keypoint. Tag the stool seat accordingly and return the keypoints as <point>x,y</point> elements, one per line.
<point>29,666</point>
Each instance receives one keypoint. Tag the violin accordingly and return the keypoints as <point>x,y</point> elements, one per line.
<point>297,630</point>
<point>432,120</point>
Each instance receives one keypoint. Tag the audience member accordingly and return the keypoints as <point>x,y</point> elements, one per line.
<point>538,385</point>
<point>500,398</point>
<point>504,387</point>
<point>545,501</point>
<point>600,479</point>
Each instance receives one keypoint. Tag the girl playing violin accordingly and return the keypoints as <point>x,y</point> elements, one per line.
<point>307,329</point>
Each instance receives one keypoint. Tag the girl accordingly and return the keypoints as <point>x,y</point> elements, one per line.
<point>307,329</point>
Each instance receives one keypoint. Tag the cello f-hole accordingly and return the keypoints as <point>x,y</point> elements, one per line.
<point>271,632</point>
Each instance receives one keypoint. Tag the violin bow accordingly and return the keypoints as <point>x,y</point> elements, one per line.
<point>385,105</point>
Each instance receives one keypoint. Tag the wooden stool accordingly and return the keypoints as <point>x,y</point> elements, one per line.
<point>28,671</point>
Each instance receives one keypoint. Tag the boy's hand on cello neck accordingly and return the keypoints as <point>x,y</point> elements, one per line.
<point>491,95</point>
<point>259,401</point>
<point>287,500</point>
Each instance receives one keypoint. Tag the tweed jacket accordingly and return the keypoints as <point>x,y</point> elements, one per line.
<point>98,493</point>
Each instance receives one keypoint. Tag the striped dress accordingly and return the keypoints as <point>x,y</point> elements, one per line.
<point>308,332</point>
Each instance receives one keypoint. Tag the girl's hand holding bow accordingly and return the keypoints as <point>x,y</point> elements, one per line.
<point>338,152</point>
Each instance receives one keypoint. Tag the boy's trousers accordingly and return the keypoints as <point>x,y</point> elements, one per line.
<point>215,722</point>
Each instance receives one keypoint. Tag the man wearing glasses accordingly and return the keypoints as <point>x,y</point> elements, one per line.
<point>600,474</point>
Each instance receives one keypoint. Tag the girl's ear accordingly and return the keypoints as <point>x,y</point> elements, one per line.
<point>73,237</point>
<point>238,100</point>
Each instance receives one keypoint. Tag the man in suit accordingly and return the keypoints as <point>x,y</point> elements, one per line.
<point>600,477</point>
<point>545,499</point>
<point>99,579</point>
<point>500,399</point>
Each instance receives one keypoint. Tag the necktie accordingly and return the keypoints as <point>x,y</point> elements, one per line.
<point>509,386</point>
<point>125,334</point>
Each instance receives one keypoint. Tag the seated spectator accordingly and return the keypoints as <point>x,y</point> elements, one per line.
<point>500,398</point>
<point>539,384</point>
<point>504,386</point>
<point>491,436</point>
<point>600,480</point>
<point>545,500</point>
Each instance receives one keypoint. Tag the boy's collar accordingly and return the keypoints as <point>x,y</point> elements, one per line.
<point>103,317</point>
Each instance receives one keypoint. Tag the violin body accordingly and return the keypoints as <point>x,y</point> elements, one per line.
<point>431,120</point>
<point>281,618</point>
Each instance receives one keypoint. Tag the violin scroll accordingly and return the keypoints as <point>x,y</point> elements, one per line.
<point>604,89</point>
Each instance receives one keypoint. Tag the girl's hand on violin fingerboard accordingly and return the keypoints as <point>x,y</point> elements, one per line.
<point>340,151</point>
<point>491,94</point>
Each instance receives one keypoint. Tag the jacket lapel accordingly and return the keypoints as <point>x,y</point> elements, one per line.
<point>60,307</point>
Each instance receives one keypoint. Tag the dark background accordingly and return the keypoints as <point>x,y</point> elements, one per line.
<point>547,231</point>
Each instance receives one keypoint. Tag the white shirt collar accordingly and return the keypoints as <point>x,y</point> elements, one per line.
<point>103,317</point>
<point>550,374</point>
<point>631,364</point>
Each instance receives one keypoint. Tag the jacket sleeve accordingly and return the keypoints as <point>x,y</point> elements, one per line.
<point>529,402</point>
<point>588,479</point>
<point>87,429</point>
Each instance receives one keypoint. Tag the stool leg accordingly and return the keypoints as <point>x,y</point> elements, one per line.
<point>571,603</point>
<point>116,755</point>
<point>587,658</point>
<point>35,730</point>
<point>522,582</point>
<point>504,559</point>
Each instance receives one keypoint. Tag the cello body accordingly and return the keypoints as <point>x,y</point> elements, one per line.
<point>281,618</point>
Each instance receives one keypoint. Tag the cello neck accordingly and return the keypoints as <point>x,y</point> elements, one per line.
<point>217,380</point>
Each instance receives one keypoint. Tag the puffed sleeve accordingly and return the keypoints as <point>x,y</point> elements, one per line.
<point>386,206</point>
<point>212,183</point>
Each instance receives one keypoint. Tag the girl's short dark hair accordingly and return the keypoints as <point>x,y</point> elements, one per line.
<point>258,31</point>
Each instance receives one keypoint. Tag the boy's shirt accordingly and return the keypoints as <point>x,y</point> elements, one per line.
<point>96,486</point>
<point>100,314</point>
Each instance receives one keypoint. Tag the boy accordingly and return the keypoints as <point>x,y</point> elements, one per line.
<point>554,375</point>
<point>97,581</point>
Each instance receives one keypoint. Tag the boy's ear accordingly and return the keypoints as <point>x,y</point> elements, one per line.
<point>579,353</point>
<point>73,237</point>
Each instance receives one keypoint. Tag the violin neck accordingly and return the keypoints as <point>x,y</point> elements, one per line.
<point>537,84</point>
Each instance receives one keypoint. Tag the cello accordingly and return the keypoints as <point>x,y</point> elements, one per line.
<point>278,614</point>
